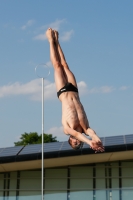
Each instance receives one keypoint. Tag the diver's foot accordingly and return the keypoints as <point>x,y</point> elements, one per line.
<point>49,34</point>
<point>56,35</point>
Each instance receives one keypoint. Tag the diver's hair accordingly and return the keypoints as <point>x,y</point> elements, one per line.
<point>76,147</point>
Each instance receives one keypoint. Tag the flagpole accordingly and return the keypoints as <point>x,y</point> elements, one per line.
<point>42,137</point>
<point>42,164</point>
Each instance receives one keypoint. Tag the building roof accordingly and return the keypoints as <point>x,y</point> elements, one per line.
<point>56,151</point>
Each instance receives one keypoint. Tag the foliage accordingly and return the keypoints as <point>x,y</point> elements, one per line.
<point>34,138</point>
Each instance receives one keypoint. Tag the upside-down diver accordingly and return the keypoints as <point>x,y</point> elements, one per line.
<point>74,119</point>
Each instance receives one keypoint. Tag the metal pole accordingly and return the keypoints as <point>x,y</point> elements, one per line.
<point>42,137</point>
<point>42,175</point>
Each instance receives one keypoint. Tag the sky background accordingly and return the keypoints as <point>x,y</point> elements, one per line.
<point>97,39</point>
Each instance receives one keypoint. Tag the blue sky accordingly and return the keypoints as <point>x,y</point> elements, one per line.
<point>97,39</point>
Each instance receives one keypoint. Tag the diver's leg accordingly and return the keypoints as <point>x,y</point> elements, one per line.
<point>69,74</point>
<point>60,79</point>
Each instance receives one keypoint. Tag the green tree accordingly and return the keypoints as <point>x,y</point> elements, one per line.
<point>34,138</point>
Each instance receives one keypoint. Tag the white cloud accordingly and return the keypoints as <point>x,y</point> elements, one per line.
<point>82,87</point>
<point>124,88</point>
<point>58,132</point>
<point>49,92</point>
<point>40,37</point>
<point>67,35</point>
<point>29,23</point>
<point>54,25</point>
<point>103,89</point>
<point>33,89</point>
<point>49,64</point>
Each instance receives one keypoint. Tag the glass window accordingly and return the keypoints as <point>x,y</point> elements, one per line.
<point>127,194</point>
<point>79,195</point>
<point>55,184</point>
<point>100,182</point>
<point>13,186</point>
<point>56,179</point>
<point>1,186</point>
<point>81,178</point>
<point>127,180</point>
<point>115,181</point>
<point>29,195</point>
<point>30,180</point>
<point>12,196</point>
<point>81,183</point>
<point>81,172</point>
<point>1,181</point>
<point>56,173</point>
<point>115,194</point>
<point>1,195</point>
<point>13,180</point>
<point>55,195</point>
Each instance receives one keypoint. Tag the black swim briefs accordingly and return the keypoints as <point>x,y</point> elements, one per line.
<point>66,88</point>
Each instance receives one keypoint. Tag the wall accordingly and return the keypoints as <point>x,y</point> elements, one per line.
<point>106,181</point>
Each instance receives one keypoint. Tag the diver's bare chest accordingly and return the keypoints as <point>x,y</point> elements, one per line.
<point>69,112</point>
<point>73,113</point>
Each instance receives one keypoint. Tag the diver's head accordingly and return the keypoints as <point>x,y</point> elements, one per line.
<point>75,143</point>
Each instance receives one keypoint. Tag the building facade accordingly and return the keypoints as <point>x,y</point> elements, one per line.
<point>68,174</point>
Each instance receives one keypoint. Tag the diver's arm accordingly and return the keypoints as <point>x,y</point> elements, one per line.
<point>93,144</point>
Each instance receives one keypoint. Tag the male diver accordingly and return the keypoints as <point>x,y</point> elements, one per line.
<point>74,119</point>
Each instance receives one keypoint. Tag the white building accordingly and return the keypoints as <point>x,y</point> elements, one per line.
<point>68,174</point>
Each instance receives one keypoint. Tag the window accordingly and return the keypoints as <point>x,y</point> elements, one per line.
<point>56,184</point>
<point>106,181</point>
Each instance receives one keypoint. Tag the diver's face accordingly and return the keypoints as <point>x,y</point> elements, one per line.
<point>74,142</point>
